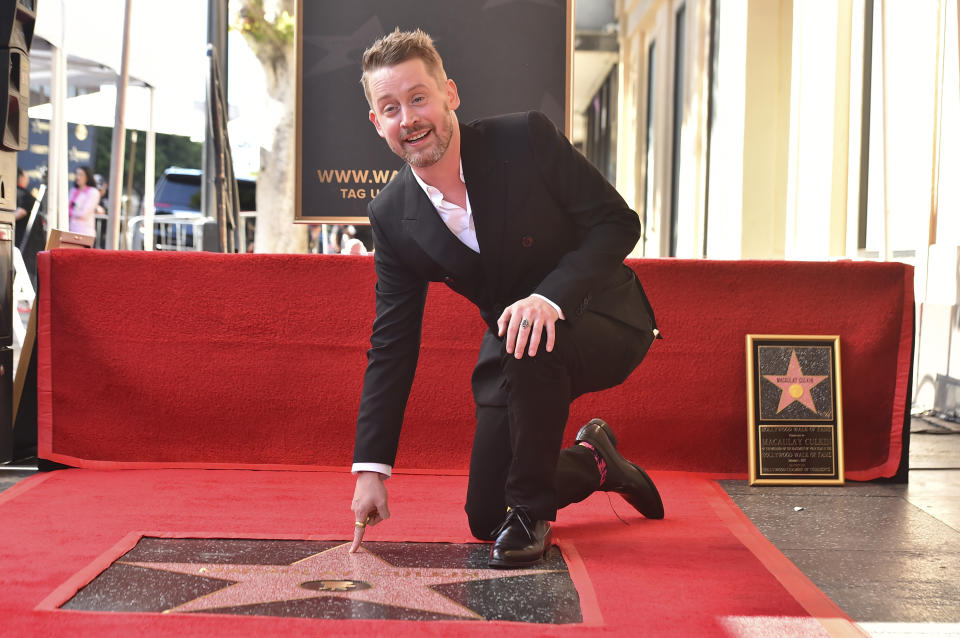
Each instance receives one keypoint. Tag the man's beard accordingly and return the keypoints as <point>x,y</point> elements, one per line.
<point>429,157</point>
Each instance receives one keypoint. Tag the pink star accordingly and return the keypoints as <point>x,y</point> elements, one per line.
<point>337,573</point>
<point>794,385</point>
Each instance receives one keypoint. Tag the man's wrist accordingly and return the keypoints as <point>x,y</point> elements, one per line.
<point>553,305</point>
<point>381,468</point>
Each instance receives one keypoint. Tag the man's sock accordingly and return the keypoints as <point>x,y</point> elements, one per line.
<point>601,464</point>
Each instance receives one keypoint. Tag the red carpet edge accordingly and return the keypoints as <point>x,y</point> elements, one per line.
<point>834,620</point>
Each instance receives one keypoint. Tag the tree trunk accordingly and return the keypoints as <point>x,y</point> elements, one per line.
<point>270,38</point>
<point>276,230</point>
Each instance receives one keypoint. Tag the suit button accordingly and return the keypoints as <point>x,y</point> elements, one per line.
<point>526,241</point>
<point>448,280</point>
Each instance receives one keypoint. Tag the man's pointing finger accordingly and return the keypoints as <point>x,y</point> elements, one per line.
<point>358,529</point>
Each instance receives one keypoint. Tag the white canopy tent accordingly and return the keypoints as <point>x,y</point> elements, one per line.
<point>92,34</point>
<point>165,93</point>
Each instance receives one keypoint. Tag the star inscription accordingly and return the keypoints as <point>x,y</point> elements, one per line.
<point>337,573</point>
<point>795,385</point>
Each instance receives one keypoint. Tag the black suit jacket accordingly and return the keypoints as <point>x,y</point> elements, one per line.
<point>547,222</point>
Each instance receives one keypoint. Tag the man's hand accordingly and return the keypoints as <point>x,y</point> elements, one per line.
<point>369,504</point>
<point>524,322</point>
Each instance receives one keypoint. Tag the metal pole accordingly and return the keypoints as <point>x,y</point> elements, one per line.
<point>57,171</point>
<point>866,103</point>
<point>886,137</point>
<point>127,212</point>
<point>217,37</point>
<point>117,148</point>
<point>148,181</point>
<point>937,121</point>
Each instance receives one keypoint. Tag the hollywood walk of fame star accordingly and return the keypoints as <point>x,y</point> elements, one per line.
<point>334,572</point>
<point>795,385</point>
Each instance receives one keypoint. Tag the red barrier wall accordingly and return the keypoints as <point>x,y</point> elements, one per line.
<point>256,361</point>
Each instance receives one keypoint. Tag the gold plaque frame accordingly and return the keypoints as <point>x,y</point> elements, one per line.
<point>795,410</point>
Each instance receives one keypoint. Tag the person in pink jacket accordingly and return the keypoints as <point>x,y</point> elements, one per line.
<point>84,197</point>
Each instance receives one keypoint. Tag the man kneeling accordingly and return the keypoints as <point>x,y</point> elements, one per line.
<point>538,247</point>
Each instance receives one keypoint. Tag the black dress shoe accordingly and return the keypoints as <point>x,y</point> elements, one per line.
<point>520,541</point>
<point>623,477</point>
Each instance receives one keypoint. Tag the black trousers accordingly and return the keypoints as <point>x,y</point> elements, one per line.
<point>522,408</point>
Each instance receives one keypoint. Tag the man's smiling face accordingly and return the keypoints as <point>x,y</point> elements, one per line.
<point>413,111</point>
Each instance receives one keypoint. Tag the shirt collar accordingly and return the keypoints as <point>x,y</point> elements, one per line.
<point>436,197</point>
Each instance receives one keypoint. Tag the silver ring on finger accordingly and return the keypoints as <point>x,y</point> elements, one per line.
<point>524,323</point>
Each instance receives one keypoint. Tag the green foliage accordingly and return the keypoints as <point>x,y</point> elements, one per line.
<point>171,150</point>
<point>257,26</point>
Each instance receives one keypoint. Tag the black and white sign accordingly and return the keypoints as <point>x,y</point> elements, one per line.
<point>505,56</point>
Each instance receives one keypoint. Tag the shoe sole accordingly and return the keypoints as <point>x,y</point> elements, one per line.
<point>656,512</point>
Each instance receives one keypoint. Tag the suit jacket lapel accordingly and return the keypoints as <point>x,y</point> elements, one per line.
<point>422,222</point>
<point>485,177</point>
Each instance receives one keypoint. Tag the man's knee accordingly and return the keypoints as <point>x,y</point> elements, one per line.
<point>483,523</point>
<point>543,363</point>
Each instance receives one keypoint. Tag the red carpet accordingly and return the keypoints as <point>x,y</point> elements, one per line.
<point>704,571</point>
<point>239,361</point>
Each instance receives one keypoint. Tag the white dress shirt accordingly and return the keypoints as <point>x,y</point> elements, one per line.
<point>457,219</point>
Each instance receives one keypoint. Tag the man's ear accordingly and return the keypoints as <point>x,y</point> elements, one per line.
<point>453,96</point>
<point>376,123</point>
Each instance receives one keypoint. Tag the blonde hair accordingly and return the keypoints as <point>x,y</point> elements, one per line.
<point>397,47</point>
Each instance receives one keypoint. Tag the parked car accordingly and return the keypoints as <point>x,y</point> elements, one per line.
<point>178,192</point>
<point>178,220</point>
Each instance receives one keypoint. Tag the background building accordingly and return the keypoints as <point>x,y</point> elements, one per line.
<point>791,129</point>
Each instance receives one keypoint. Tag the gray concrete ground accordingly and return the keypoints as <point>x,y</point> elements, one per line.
<point>888,555</point>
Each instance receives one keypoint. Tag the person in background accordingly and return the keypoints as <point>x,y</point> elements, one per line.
<point>24,204</point>
<point>83,199</point>
<point>34,244</point>
<point>101,185</point>
<point>103,209</point>
<point>333,240</point>
<point>350,244</point>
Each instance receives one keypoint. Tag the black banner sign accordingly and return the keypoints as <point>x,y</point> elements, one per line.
<point>505,56</point>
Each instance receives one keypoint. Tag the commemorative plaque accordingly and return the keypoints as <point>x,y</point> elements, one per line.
<point>795,410</point>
